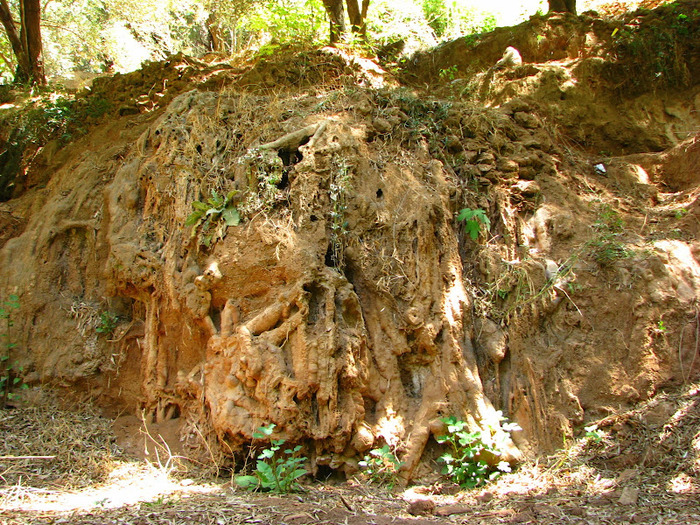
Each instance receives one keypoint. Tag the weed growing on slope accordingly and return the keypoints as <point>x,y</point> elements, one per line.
<point>276,470</point>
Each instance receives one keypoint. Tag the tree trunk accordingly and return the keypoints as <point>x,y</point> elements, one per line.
<point>562,6</point>
<point>27,44</point>
<point>30,12</point>
<point>22,72</point>
<point>357,20</point>
<point>334,8</point>
<point>216,42</point>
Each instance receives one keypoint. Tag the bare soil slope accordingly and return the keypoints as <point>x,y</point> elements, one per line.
<point>348,306</point>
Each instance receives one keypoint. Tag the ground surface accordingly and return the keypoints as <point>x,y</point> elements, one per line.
<point>334,293</point>
<point>640,466</point>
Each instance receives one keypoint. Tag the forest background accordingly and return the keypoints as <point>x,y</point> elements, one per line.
<point>110,36</point>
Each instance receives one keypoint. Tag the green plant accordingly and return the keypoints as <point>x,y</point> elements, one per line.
<point>594,434</point>
<point>275,471</point>
<point>217,213</point>
<point>449,73</point>
<point>107,324</point>
<point>9,371</point>
<point>473,221</point>
<point>339,187</point>
<point>471,459</point>
<point>606,248</point>
<point>679,214</point>
<point>381,466</point>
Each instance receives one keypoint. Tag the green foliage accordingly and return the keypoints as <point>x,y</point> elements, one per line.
<point>284,22</point>
<point>108,323</point>
<point>339,187</point>
<point>594,434</point>
<point>470,458</point>
<point>9,371</point>
<point>449,73</point>
<point>473,221</point>
<point>381,466</point>
<point>450,18</point>
<point>276,470</point>
<point>607,246</point>
<point>217,214</point>
<point>655,55</point>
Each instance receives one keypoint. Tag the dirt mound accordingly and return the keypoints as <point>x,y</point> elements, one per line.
<point>614,86</point>
<point>250,255</point>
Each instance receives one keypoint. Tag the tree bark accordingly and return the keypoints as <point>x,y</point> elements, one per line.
<point>30,12</point>
<point>336,17</point>
<point>22,73</point>
<point>26,44</point>
<point>562,6</point>
<point>357,21</point>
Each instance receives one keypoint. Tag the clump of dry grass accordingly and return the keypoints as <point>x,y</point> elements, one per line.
<point>45,446</point>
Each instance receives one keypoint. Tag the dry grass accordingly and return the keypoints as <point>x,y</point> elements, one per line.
<point>44,447</point>
<point>639,466</point>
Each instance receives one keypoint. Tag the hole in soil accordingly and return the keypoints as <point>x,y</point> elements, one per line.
<point>324,472</point>
<point>215,315</point>
<point>313,218</point>
<point>330,257</point>
<point>314,409</point>
<point>199,148</point>
<point>284,182</point>
<point>173,411</point>
<point>316,301</point>
<point>380,193</point>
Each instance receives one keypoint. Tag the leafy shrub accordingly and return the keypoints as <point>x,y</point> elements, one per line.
<point>217,213</point>
<point>275,471</point>
<point>470,456</point>
<point>107,324</point>
<point>473,221</point>
<point>8,370</point>
<point>381,466</point>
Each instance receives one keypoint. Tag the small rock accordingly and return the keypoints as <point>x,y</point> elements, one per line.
<point>485,168</point>
<point>449,489</point>
<point>527,188</point>
<point>660,414</point>
<point>527,173</point>
<point>627,475</point>
<point>487,158</point>
<point>382,125</point>
<point>453,144</point>
<point>507,165</point>
<point>421,507</point>
<point>470,156</point>
<point>526,120</point>
<point>485,497</point>
<point>629,496</point>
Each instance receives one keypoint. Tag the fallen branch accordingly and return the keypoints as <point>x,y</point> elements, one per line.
<point>26,457</point>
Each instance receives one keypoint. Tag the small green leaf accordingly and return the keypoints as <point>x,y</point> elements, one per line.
<point>193,218</point>
<point>247,482</point>
<point>231,216</point>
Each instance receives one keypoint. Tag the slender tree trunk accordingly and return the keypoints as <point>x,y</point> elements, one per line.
<point>22,72</point>
<point>562,6</point>
<point>27,43</point>
<point>357,21</point>
<point>336,16</point>
<point>214,30</point>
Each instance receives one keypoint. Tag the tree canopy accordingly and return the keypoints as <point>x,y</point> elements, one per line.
<point>118,35</point>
